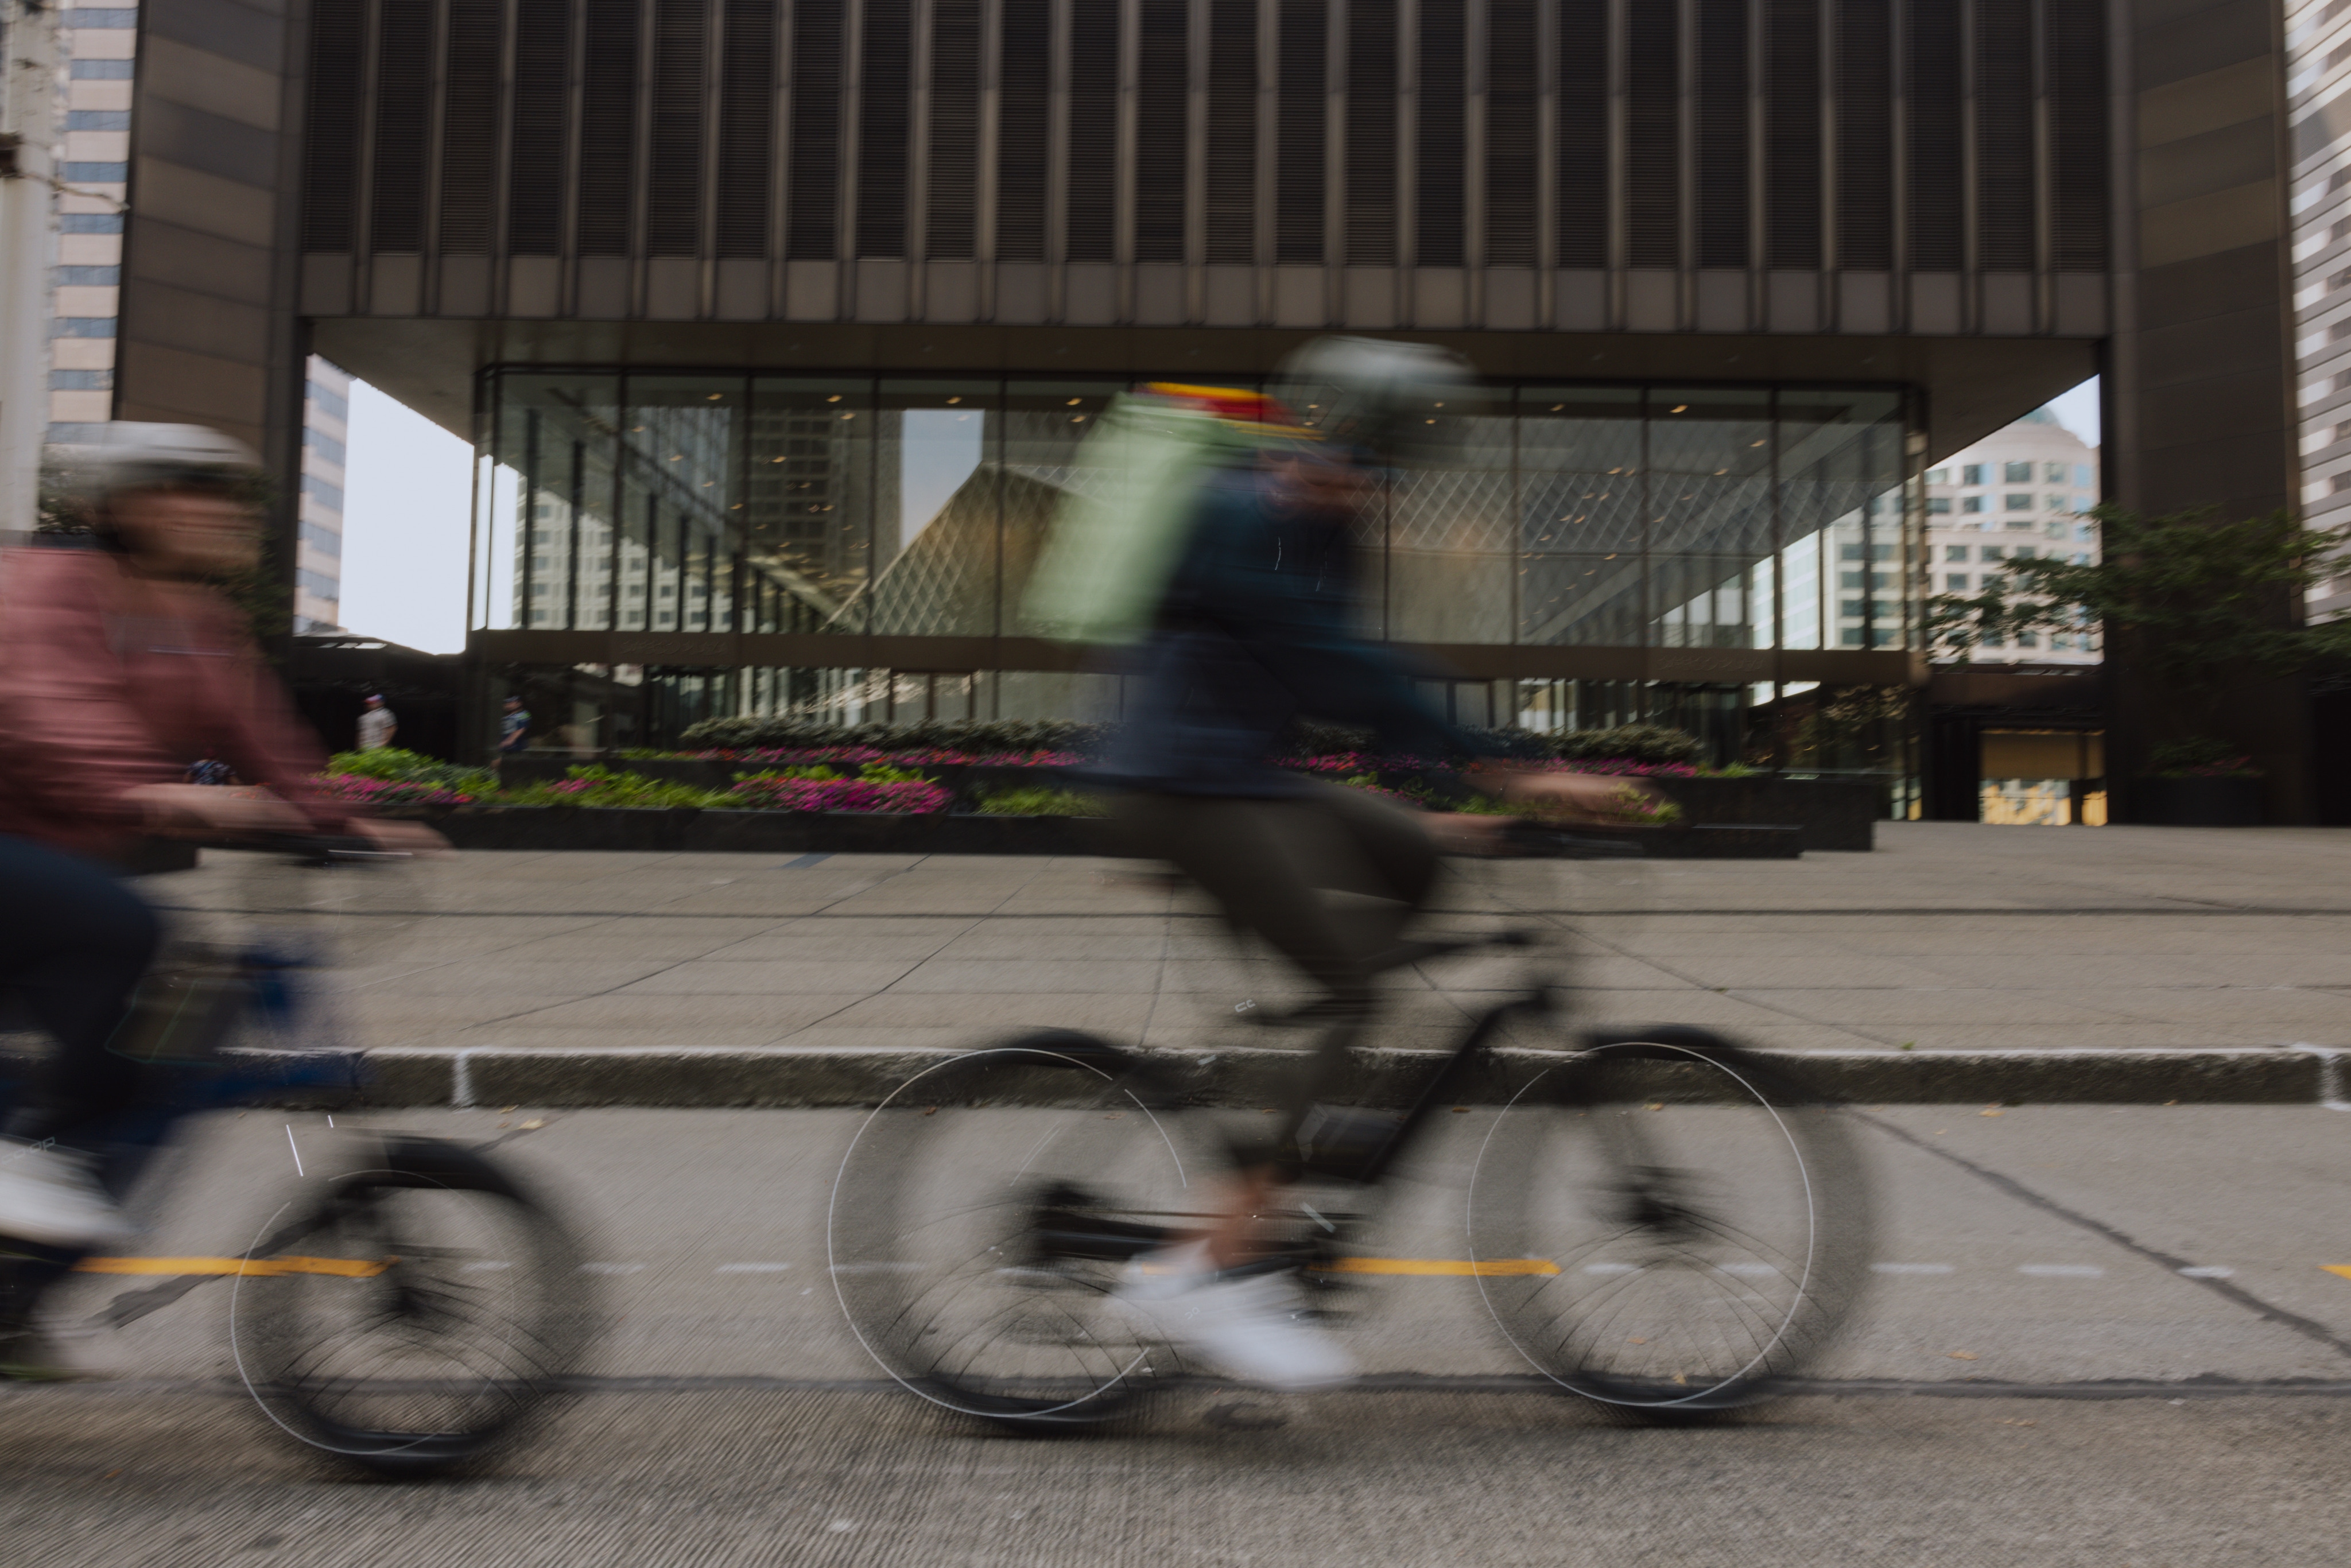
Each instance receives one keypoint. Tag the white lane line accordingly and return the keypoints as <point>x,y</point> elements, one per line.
<point>2062,1270</point>
<point>1612,1268</point>
<point>485,1266</point>
<point>1909,1268</point>
<point>2209,1271</point>
<point>296,1147</point>
<point>610,1268</point>
<point>753,1267</point>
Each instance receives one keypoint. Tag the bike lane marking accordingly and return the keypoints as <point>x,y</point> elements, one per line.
<point>254,1267</point>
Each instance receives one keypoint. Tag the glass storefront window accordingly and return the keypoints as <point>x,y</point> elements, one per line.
<point>1568,517</point>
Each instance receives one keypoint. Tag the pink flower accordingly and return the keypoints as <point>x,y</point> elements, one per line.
<point>840,795</point>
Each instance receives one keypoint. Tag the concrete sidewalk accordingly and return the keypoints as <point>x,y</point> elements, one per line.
<point>2197,963</point>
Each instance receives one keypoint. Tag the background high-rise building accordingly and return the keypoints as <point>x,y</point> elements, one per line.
<point>100,49</point>
<point>2018,493</point>
<point>2318,86</point>
<point>319,564</point>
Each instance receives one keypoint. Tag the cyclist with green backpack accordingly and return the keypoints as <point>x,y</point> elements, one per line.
<point>1220,547</point>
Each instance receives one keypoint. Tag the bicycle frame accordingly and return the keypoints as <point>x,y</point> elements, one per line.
<point>1063,1229</point>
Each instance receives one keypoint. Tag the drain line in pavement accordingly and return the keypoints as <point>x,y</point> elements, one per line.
<point>2178,1265</point>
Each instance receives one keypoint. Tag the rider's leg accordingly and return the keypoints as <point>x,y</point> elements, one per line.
<point>1273,866</point>
<point>73,944</point>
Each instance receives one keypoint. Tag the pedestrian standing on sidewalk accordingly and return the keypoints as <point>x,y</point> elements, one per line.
<point>378,723</point>
<point>514,730</point>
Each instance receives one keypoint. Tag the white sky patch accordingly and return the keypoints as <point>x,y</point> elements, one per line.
<point>2077,410</point>
<point>938,449</point>
<point>407,510</point>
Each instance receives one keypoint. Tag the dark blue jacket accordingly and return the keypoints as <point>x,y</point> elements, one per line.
<point>1259,627</point>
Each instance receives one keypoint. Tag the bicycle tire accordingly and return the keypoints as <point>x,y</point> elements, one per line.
<point>938,1230</point>
<point>440,1264</point>
<point>1667,1226</point>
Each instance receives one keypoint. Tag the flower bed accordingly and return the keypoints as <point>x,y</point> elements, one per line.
<point>868,756</point>
<point>357,791</point>
<point>776,793</point>
<point>844,782</point>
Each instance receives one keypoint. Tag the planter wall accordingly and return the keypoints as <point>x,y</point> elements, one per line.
<point>1832,813</point>
<point>2197,802</point>
<point>688,829</point>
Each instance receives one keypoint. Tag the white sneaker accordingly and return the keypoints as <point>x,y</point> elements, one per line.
<point>48,1195</point>
<point>1247,1327</point>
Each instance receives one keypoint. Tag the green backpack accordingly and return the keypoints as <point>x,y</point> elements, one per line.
<point>1121,528</point>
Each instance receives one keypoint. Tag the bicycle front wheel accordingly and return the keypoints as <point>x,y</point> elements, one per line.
<point>982,1219</point>
<point>414,1316</point>
<point>1667,1227</point>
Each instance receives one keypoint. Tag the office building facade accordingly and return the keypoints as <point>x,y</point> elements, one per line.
<point>1742,271</point>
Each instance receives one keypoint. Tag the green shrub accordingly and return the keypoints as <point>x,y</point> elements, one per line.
<point>1627,742</point>
<point>2200,757</point>
<point>413,767</point>
<point>596,785</point>
<point>871,773</point>
<point>1035,800</point>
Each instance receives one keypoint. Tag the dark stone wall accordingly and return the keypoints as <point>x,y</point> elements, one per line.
<point>2199,377</point>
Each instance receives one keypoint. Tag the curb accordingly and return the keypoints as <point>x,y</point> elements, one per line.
<point>785,1077</point>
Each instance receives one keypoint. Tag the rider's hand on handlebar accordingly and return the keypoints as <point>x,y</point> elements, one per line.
<point>201,810</point>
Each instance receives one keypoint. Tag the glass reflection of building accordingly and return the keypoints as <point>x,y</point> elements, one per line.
<point>1592,555</point>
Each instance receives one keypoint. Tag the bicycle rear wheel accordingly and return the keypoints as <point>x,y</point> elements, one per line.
<point>982,1217</point>
<point>411,1317</point>
<point>1665,1226</point>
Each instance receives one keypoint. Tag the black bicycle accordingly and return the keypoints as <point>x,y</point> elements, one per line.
<point>1655,1218</point>
<point>413,1302</point>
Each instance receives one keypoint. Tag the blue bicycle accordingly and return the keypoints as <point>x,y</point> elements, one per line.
<point>411,1307</point>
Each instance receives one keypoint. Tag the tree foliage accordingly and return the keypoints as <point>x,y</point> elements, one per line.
<point>2200,594</point>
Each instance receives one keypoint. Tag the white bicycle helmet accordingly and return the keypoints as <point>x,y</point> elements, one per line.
<point>1394,403</point>
<point>130,455</point>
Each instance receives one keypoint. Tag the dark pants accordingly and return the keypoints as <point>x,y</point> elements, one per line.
<point>73,943</point>
<point>1272,866</point>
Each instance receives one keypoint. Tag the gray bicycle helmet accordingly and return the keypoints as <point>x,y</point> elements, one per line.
<point>130,454</point>
<point>1390,403</point>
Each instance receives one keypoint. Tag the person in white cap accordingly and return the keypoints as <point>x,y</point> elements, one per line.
<point>378,723</point>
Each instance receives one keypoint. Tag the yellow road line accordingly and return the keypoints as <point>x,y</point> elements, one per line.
<point>252,1268</point>
<point>1488,1267</point>
<point>2342,1269</point>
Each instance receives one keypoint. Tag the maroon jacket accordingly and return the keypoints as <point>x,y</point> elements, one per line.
<point>95,701</point>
